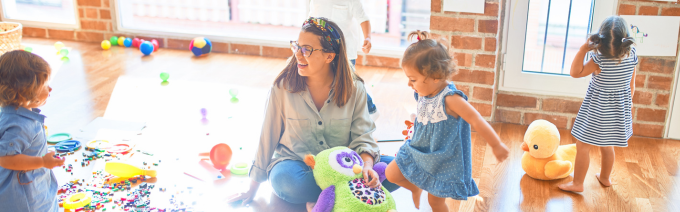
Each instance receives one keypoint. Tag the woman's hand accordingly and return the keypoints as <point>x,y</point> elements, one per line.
<point>246,197</point>
<point>371,176</point>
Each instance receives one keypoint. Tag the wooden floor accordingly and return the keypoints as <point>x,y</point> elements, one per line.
<point>646,174</point>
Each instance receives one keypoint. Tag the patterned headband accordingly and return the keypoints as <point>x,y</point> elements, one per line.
<point>328,32</point>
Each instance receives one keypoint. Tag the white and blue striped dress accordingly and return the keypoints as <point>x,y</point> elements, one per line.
<point>605,117</point>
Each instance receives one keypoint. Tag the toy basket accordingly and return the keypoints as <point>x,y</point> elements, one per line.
<point>10,36</point>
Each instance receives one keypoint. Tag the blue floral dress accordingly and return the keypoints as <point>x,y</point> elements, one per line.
<point>438,158</point>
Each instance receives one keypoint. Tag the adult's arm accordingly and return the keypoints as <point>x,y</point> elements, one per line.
<point>363,126</point>
<point>272,128</point>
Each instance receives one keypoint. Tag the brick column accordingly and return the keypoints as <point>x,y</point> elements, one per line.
<point>95,19</point>
<point>473,39</point>
<point>654,74</point>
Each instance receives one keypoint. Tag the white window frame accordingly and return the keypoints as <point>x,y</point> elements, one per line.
<point>382,51</point>
<point>28,23</point>
<point>512,78</point>
<point>673,120</point>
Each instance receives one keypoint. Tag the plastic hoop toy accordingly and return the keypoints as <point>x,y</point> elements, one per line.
<point>239,169</point>
<point>98,144</point>
<point>59,137</point>
<point>67,146</point>
<point>77,200</point>
<point>119,148</point>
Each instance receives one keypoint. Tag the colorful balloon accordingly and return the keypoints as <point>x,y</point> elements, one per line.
<point>128,42</point>
<point>146,48</point>
<point>106,44</point>
<point>121,41</point>
<point>114,40</point>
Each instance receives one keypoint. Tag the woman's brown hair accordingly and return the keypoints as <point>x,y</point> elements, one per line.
<point>342,70</point>
<point>429,56</point>
<point>613,40</point>
<point>22,74</point>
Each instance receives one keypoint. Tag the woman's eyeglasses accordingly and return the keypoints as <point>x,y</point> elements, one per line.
<point>306,50</point>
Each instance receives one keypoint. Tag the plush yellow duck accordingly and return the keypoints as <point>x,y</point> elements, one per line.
<point>544,158</point>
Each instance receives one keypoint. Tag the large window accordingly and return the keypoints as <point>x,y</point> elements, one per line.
<point>261,21</point>
<point>59,13</point>
<point>543,36</point>
<point>555,32</point>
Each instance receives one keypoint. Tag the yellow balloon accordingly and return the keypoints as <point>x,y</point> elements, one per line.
<point>106,44</point>
<point>125,170</point>
<point>58,45</point>
<point>121,41</point>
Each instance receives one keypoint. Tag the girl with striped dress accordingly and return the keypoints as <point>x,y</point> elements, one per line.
<point>605,118</point>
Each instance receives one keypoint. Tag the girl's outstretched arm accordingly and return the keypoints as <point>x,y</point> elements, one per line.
<point>457,106</point>
<point>581,69</point>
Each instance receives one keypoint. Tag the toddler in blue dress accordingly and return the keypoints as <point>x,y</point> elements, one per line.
<point>437,158</point>
<point>26,179</point>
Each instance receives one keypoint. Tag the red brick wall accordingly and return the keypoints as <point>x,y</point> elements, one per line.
<point>473,39</point>
<point>651,100</point>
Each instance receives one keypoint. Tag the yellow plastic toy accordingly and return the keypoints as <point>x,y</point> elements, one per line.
<point>121,41</point>
<point>544,158</point>
<point>106,44</point>
<point>77,200</point>
<point>125,170</point>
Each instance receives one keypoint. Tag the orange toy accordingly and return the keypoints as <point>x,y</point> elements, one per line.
<point>409,127</point>
<point>220,155</point>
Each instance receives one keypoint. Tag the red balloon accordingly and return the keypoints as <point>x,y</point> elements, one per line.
<point>155,44</point>
<point>220,155</point>
<point>136,42</point>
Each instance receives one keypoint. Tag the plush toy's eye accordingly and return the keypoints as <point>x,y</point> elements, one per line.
<point>535,146</point>
<point>347,162</point>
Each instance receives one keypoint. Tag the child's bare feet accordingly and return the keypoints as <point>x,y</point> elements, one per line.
<point>570,186</point>
<point>604,182</point>
<point>310,206</point>
<point>416,197</point>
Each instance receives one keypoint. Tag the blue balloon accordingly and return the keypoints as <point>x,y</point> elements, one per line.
<point>146,48</point>
<point>127,42</point>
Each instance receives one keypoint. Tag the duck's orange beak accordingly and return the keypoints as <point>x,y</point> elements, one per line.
<point>525,147</point>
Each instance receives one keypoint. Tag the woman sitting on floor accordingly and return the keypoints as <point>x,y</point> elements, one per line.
<point>316,103</point>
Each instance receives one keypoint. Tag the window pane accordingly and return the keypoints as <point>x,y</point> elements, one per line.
<point>555,31</point>
<point>579,26</point>
<point>415,16</point>
<point>52,11</point>
<point>277,20</point>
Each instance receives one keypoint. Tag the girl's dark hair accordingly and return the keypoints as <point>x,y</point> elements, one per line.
<point>429,56</point>
<point>613,40</point>
<point>22,74</point>
<point>342,70</point>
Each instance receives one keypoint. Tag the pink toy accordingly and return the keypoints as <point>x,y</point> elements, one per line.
<point>155,44</point>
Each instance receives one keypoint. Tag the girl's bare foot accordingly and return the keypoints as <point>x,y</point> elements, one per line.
<point>416,197</point>
<point>604,182</point>
<point>310,206</point>
<point>570,186</point>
